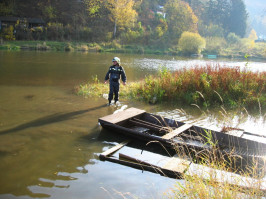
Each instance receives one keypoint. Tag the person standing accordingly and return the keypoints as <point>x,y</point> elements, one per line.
<point>114,73</point>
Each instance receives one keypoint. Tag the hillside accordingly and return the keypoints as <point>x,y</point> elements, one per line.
<point>257,15</point>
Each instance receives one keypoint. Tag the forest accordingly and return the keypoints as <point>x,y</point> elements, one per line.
<point>188,26</point>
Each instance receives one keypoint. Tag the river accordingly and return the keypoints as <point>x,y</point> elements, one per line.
<point>50,138</point>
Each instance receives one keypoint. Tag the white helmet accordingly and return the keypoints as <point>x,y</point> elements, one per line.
<point>116,59</point>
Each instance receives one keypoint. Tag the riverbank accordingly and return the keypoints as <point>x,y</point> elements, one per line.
<point>76,46</point>
<point>258,52</point>
<point>201,86</point>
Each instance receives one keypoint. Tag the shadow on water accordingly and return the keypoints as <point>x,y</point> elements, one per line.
<point>54,118</point>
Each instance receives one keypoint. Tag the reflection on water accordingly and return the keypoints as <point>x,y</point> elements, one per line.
<point>174,63</point>
<point>50,138</point>
<point>216,120</point>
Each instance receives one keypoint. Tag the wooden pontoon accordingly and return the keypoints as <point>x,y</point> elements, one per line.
<point>175,167</point>
<point>185,137</point>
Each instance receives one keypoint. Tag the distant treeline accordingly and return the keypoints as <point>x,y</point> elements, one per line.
<point>154,23</point>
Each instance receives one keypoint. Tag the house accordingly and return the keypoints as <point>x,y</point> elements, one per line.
<point>160,11</point>
<point>6,21</point>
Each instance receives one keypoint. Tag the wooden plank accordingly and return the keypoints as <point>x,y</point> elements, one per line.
<point>115,148</point>
<point>151,127</point>
<point>177,131</point>
<point>157,161</point>
<point>127,157</point>
<point>177,165</point>
<point>123,115</point>
<point>144,167</point>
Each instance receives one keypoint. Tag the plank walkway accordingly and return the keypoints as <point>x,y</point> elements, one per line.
<point>161,164</point>
<point>122,116</point>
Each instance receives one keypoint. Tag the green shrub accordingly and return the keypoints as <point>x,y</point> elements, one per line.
<point>232,38</point>
<point>214,45</point>
<point>131,36</point>
<point>8,33</point>
<point>55,31</point>
<point>246,43</point>
<point>68,47</point>
<point>85,33</point>
<point>191,43</point>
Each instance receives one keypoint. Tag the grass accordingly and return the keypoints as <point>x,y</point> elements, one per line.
<point>217,177</point>
<point>49,45</point>
<point>197,188</point>
<point>77,46</point>
<point>204,184</point>
<point>203,86</point>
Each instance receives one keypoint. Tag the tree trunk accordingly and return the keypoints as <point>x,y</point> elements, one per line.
<point>115,29</point>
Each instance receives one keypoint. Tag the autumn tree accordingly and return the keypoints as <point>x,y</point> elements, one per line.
<point>180,17</point>
<point>93,7</point>
<point>122,14</point>
<point>253,35</point>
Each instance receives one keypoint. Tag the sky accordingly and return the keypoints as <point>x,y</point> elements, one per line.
<point>257,14</point>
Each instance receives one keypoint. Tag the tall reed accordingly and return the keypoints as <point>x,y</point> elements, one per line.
<point>202,85</point>
<point>235,87</point>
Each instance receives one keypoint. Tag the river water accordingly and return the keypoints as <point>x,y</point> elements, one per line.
<point>50,138</point>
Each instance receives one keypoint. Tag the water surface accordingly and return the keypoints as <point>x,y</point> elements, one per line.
<point>50,138</point>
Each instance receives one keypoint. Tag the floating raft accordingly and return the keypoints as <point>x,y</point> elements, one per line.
<point>244,146</point>
<point>177,167</point>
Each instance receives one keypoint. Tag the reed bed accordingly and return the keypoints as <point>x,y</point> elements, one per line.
<point>205,86</point>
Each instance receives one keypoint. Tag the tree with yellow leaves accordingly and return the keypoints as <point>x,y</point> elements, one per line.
<point>122,14</point>
<point>253,35</point>
<point>180,17</point>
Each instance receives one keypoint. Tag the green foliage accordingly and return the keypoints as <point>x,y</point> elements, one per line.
<point>7,7</point>
<point>247,43</point>
<point>214,45</point>
<point>130,36</point>
<point>68,47</point>
<point>8,33</point>
<point>232,38</point>
<point>191,43</point>
<point>151,26</point>
<point>55,31</point>
<point>230,15</point>
<point>49,12</point>
<point>212,30</point>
